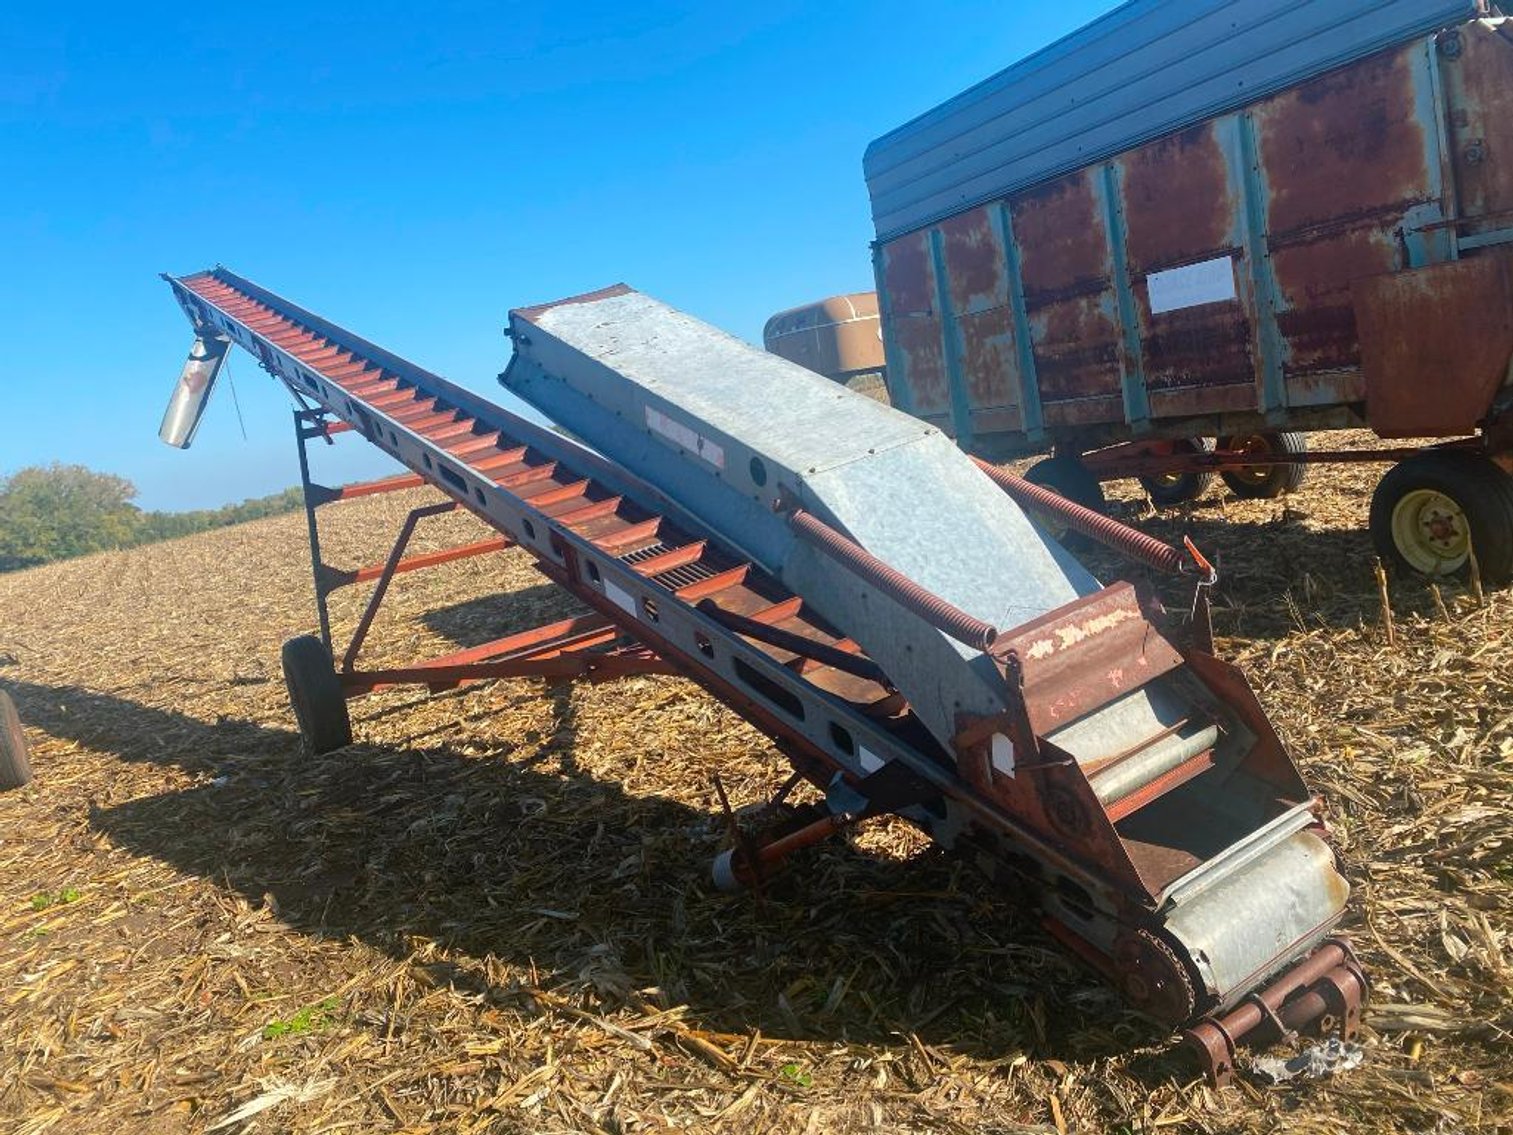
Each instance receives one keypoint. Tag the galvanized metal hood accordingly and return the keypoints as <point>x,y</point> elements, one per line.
<point>737,437</point>
<point>740,429</point>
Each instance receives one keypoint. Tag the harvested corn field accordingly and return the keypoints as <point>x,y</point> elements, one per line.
<point>492,913</point>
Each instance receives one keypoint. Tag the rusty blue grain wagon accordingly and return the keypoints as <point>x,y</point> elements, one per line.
<point>1216,220</point>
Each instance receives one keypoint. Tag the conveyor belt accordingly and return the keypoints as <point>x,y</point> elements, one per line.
<point>689,568</point>
<point>1175,852</point>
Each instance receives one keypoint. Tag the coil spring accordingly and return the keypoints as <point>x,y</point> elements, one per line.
<point>940,614</point>
<point>1106,530</point>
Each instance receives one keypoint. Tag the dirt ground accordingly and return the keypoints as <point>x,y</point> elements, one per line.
<point>492,913</point>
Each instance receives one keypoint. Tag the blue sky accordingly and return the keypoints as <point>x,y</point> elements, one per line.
<point>412,171</point>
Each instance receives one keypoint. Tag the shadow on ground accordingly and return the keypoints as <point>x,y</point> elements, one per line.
<point>1275,577</point>
<point>521,854</point>
<point>477,621</point>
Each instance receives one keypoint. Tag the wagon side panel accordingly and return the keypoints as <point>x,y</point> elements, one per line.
<point>1188,273</point>
<point>1069,300</point>
<point>1344,159</point>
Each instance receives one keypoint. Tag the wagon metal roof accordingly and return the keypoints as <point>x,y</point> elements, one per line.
<point>1146,69</point>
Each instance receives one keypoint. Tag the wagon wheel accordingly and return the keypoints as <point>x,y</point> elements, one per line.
<point>1432,512</point>
<point>15,762</point>
<point>1168,489</point>
<point>1070,478</point>
<point>1263,482</point>
<point>315,693</point>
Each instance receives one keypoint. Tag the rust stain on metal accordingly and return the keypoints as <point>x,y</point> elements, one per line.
<point>1076,348</point>
<point>1085,654</point>
<point>1344,145</point>
<point>1181,208</point>
<point>1326,388</point>
<point>976,266</point>
<point>1348,179</point>
<point>1064,254</point>
<point>1204,346</point>
<point>1178,200</point>
<point>1326,990</point>
<point>1196,401</point>
<point>1063,241</point>
<point>976,269</point>
<point>1477,82</point>
<point>919,345</point>
<point>1343,158</point>
<point>907,276</point>
<point>1436,344</point>
<point>1314,275</point>
<point>988,360</point>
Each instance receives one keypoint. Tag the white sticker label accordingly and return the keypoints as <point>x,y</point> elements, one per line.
<point>871,762</point>
<point>1212,281</point>
<point>621,598</point>
<point>1003,755</point>
<point>682,435</point>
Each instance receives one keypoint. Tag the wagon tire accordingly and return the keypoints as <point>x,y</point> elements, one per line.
<point>1430,513</point>
<point>1170,489</point>
<point>1070,478</point>
<point>315,693</point>
<point>15,760</point>
<point>1264,482</point>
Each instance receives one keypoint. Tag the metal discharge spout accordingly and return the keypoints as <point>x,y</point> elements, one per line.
<point>191,394</point>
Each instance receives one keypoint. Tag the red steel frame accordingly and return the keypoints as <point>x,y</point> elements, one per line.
<point>585,646</point>
<point>1146,458</point>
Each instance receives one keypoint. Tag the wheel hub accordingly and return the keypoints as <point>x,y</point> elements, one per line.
<point>1252,474</point>
<point>1431,531</point>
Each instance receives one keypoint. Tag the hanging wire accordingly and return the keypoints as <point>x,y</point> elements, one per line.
<point>235,401</point>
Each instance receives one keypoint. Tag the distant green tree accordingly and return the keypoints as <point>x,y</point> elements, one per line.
<point>49,513</point>
<point>54,512</point>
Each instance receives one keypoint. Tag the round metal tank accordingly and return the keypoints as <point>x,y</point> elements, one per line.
<point>839,337</point>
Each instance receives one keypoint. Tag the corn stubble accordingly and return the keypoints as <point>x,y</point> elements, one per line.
<point>492,913</point>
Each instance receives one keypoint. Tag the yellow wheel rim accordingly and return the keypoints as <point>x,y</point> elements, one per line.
<point>1254,475</point>
<point>1431,532</point>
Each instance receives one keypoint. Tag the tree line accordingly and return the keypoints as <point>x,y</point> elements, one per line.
<point>56,511</point>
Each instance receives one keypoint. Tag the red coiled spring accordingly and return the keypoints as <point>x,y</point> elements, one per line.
<point>1094,525</point>
<point>940,614</point>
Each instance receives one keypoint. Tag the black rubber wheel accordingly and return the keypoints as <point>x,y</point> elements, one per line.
<point>1070,478</point>
<point>15,761</point>
<point>1432,511</point>
<point>320,708</point>
<point>1168,489</point>
<point>1263,482</point>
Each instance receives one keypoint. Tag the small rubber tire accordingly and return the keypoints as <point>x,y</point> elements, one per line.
<point>1070,478</point>
<point>1170,489</point>
<point>1265,482</point>
<point>1430,512</point>
<point>15,759</point>
<point>315,694</point>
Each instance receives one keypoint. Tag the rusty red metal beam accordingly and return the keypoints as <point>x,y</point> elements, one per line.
<point>582,632</point>
<point>1135,459</point>
<point>424,560</point>
<point>599,667</point>
<point>573,647</point>
<point>794,643</point>
<point>374,488</point>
